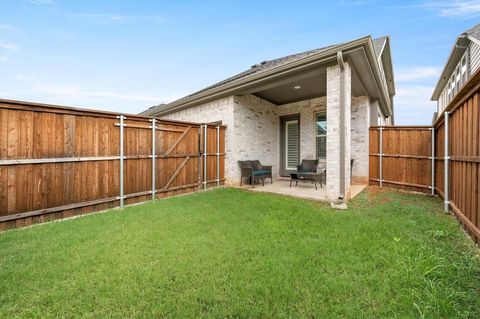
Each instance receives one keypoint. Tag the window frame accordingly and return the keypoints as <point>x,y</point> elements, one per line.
<point>316,117</point>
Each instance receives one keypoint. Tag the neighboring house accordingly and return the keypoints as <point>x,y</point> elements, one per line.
<point>315,104</point>
<point>462,63</point>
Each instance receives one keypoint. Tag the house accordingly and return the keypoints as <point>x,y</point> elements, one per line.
<point>463,61</point>
<point>314,104</point>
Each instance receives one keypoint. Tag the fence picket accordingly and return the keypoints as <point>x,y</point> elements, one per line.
<point>86,160</point>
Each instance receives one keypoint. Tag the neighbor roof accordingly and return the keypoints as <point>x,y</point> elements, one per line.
<point>474,32</point>
<point>378,45</point>
<point>456,53</point>
<point>265,66</point>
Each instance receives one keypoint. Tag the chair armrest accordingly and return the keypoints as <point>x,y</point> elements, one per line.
<point>267,168</point>
<point>246,171</point>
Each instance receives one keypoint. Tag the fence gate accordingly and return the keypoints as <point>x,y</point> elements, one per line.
<point>401,157</point>
<point>58,162</point>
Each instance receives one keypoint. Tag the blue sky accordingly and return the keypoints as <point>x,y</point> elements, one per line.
<point>128,55</point>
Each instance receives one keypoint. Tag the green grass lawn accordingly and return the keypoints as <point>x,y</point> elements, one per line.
<point>233,253</point>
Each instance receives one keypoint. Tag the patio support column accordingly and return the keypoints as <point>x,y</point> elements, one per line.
<point>338,131</point>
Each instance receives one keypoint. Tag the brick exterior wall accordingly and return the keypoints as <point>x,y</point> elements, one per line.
<point>256,127</point>
<point>253,130</point>
<point>307,110</point>
<point>360,139</point>
<point>333,131</point>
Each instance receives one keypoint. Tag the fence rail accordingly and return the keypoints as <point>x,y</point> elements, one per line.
<point>442,159</point>
<point>57,162</point>
<point>401,157</point>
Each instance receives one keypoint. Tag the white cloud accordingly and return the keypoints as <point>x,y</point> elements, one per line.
<point>415,85</point>
<point>462,9</point>
<point>75,91</point>
<point>358,2</point>
<point>414,94</point>
<point>6,27</point>
<point>409,74</point>
<point>77,96</point>
<point>26,77</point>
<point>8,46</point>
<point>40,2</point>
<point>109,18</point>
<point>55,58</point>
<point>413,105</point>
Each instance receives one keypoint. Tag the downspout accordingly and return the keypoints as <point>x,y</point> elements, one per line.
<point>342,124</point>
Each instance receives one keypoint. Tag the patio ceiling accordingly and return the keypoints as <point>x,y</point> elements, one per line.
<point>300,88</point>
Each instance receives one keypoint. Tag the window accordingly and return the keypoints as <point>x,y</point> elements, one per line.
<point>457,79</point>
<point>464,69</point>
<point>292,146</point>
<point>321,135</point>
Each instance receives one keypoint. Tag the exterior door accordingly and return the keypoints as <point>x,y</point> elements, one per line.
<point>290,144</point>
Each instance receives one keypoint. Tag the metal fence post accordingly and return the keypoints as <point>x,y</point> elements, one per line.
<point>122,125</point>
<point>218,156</point>
<point>205,156</point>
<point>380,157</point>
<point>433,161</point>
<point>154,128</point>
<point>446,173</point>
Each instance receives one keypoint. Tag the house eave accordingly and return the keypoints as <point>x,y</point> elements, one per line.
<point>453,58</point>
<point>385,97</point>
<point>322,58</point>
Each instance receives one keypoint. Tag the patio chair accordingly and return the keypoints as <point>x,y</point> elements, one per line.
<point>307,171</point>
<point>254,170</point>
<point>308,166</point>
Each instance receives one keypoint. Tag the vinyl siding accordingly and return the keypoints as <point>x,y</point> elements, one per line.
<point>474,57</point>
<point>473,66</point>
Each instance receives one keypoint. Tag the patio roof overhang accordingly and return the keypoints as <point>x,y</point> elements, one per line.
<point>309,72</point>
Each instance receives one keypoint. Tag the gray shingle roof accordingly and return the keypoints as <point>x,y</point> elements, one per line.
<point>266,65</point>
<point>152,109</point>
<point>269,65</point>
<point>474,32</point>
<point>378,44</point>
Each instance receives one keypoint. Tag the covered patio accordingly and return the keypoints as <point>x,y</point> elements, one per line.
<point>314,105</point>
<point>305,190</point>
<point>322,113</point>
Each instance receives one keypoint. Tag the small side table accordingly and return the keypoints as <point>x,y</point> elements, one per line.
<point>314,177</point>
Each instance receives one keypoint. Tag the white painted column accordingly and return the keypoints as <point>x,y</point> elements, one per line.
<point>333,131</point>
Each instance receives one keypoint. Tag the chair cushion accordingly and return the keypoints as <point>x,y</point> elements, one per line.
<point>261,172</point>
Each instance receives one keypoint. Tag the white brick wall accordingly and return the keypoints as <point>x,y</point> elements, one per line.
<point>360,138</point>
<point>307,110</point>
<point>256,124</point>
<point>253,130</point>
<point>333,131</point>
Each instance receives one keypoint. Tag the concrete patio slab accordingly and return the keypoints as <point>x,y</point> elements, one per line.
<point>304,190</point>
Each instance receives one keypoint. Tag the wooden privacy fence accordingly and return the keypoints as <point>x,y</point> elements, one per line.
<point>401,157</point>
<point>457,152</point>
<point>442,159</point>
<point>58,162</point>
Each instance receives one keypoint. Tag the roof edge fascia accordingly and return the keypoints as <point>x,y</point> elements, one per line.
<point>232,87</point>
